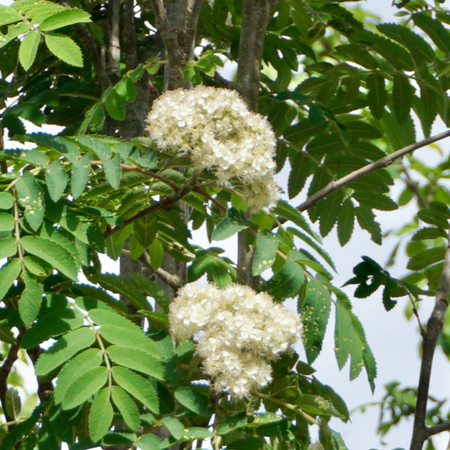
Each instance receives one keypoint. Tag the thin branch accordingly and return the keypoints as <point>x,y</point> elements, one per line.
<point>383,162</point>
<point>114,36</point>
<point>433,331</point>
<point>172,280</point>
<point>439,428</point>
<point>191,23</point>
<point>210,198</point>
<point>5,370</point>
<point>413,186</point>
<point>223,81</point>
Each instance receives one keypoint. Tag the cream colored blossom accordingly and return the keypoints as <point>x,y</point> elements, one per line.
<point>216,129</point>
<point>238,333</point>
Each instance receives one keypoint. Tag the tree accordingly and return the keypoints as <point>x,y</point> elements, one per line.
<point>340,96</point>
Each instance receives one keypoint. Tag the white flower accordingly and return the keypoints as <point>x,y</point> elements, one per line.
<point>215,128</point>
<point>241,332</point>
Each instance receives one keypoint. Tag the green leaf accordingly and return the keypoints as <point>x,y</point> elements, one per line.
<point>328,210</point>
<point>53,253</point>
<point>343,334</point>
<point>346,222</point>
<point>100,415</point>
<point>266,251</point>
<point>6,222</point>
<point>137,386</point>
<point>233,222</point>
<point>80,174</point>
<point>56,178</point>
<point>6,200</point>
<point>366,220</point>
<point>114,104</point>
<point>433,217</point>
<point>302,167</point>
<point>13,32</point>
<point>83,362</point>
<point>377,95</point>
<point>146,229</point>
<point>64,48</point>
<point>300,133</point>
<point>137,360</point>
<point>425,259</point>
<point>84,387</point>
<point>63,19</point>
<point>13,405</point>
<point>63,349</point>
<point>403,94</point>
<point>287,282</point>
<point>398,135</point>
<point>288,212</point>
<point>31,197</point>
<point>148,442</point>
<point>435,30</point>
<point>28,49</point>
<point>126,407</point>
<point>113,171</point>
<point>8,274</point>
<point>424,233</point>
<point>194,401</point>
<point>119,330</point>
<point>175,427</point>
<point>8,15</point>
<point>314,312</point>
<point>6,335</point>
<point>31,299</point>
<point>375,200</point>
<point>156,253</point>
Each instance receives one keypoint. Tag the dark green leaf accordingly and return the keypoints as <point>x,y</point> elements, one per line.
<point>377,95</point>
<point>30,301</point>
<point>434,28</point>
<point>402,97</point>
<point>287,282</point>
<point>375,200</point>
<point>194,401</point>
<point>428,257</point>
<point>366,220</point>
<point>31,197</point>
<point>346,221</point>
<point>8,274</point>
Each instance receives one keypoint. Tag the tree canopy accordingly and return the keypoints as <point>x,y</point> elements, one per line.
<point>186,347</point>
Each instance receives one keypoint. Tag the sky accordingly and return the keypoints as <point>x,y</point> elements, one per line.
<point>393,340</point>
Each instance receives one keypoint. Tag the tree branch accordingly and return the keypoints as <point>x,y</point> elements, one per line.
<point>430,337</point>
<point>114,37</point>
<point>129,36</point>
<point>383,162</point>
<point>5,370</point>
<point>439,428</point>
<point>172,280</point>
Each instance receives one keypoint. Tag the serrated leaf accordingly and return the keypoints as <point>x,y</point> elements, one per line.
<point>126,407</point>
<point>6,200</point>
<point>148,442</point>
<point>346,222</point>
<point>114,104</point>
<point>83,362</point>
<point>63,349</point>
<point>377,95</point>
<point>100,415</point>
<point>53,253</point>
<point>121,285</point>
<point>146,229</point>
<point>30,300</point>
<point>403,94</point>
<point>13,404</point>
<point>6,222</point>
<point>328,210</point>
<point>84,387</point>
<point>64,48</point>
<point>156,253</point>
<point>375,200</point>
<point>8,15</point>
<point>28,49</point>
<point>266,251</point>
<point>287,282</point>
<point>288,212</point>
<point>56,178</point>
<point>137,386</point>
<point>31,197</point>
<point>119,330</point>
<point>64,18</point>
<point>315,311</point>
<point>137,360</point>
<point>13,32</point>
<point>175,427</point>
<point>113,171</point>
<point>194,401</point>
<point>8,274</point>
<point>6,335</point>
<point>302,167</point>
<point>342,334</point>
<point>425,233</point>
<point>435,30</point>
<point>233,222</point>
<point>433,217</point>
<point>80,174</point>
<point>366,220</point>
<point>424,259</point>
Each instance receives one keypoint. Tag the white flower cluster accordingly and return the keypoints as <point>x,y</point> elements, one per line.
<point>238,331</point>
<point>215,127</point>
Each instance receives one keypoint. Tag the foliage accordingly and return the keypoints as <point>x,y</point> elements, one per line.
<point>340,95</point>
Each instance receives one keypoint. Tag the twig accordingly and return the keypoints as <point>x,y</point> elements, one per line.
<point>439,428</point>
<point>223,81</point>
<point>5,370</point>
<point>383,162</point>
<point>415,189</point>
<point>430,337</point>
<point>172,280</point>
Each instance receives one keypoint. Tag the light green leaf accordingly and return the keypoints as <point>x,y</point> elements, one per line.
<point>113,171</point>
<point>6,200</point>
<point>114,104</point>
<point>84,387</point>
<point>63,349</point>
<point>156,253</point>
<point>83,362</point>
<point>137,386</point>
<point>194,401</point>
<point>80,174</point>
<point>8,247</point>
<point>175,427</point>
<point>343,334</point>
<point>64,18</point>
<point>31,299</point>
<point>146,229</point>
<point>346,222</point>
<point>100,415</point>
<point>193,433</point>
<point>266,251</point>
<point>315,310</point>
<point>233,222</point>
<point>53,253</point>
<point>137,360</point>
<point>13,405</point>
<point>31,197</point>
<point>56,178</point>
<point>287,282</point>
<point>28,49</point>
<point>119,330</point>
<point>435,30</point>
<point>13,32</point>
<point>148,442</point>
<point>8,15</point>
<point>8,274</point>
<point>64,48</point>
<point>6,222</point>
<point>127,407</point>
<point>425,259</point>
